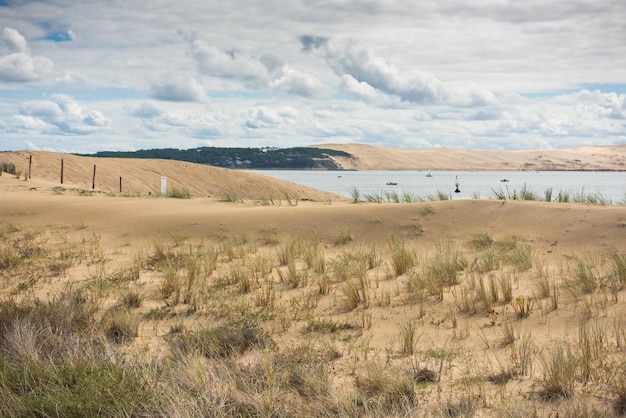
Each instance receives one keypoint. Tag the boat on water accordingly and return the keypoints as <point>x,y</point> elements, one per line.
<point>392,183</point>
<point>429,173</point>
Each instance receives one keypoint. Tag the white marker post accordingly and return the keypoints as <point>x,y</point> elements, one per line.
<point>163,186</point>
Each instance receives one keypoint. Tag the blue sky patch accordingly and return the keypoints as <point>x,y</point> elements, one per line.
<point>604,88</point>
<point>62,36</point>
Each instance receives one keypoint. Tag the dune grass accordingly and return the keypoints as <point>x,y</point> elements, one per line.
<point>228,328</point>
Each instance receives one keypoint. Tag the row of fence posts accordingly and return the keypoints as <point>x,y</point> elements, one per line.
<point>93,177</point>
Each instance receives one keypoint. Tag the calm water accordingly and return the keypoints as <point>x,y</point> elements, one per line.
<point>479,184</point>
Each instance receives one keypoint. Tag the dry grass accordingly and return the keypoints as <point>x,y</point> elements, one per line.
<point>299,326</point>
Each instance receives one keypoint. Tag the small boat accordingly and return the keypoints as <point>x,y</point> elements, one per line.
<point>456,184</point>
<point>429,174</point>
<point>392,183</point>
<point>504,180</point>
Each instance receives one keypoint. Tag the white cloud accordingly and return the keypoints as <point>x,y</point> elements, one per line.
<point>232,64</point>
<point>20,66</point>
<point>30,122</point>
<point>478,73</point>
<point>264,72</point>
<point>365,67</point>
<point>146,111</point>
<point>14,40</point>
<point>363,91</point>
<point>177,88</point>
<point>191,123</point>
<point>60,114</point>
<point>294,82</point>
<point>266,117</point>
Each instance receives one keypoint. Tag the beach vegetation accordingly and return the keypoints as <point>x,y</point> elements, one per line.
<point>238,325</point>
<point>179,193</point>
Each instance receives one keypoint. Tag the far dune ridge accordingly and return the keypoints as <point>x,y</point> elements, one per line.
<point>367,157</point>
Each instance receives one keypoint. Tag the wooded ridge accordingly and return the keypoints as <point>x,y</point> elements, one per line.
<point>252,158</point>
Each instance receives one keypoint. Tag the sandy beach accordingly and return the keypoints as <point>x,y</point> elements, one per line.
<point>556,238</point>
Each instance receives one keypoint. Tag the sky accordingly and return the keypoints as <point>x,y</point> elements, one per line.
<point>122,75</point>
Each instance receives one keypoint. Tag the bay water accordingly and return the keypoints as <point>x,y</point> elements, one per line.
<point>611,186</point>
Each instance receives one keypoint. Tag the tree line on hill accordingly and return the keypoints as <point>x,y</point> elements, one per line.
<point>297,158</point>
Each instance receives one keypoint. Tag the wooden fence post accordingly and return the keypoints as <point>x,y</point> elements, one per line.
<point>93,179</point>
<point>30,165</point>
<point>120,185</point>
<point>61,170</point>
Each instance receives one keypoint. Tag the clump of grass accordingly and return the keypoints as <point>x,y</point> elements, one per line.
<point>131,299</point>
<point>442,270</point>
<point>230,197</point>
<point>487,260</point>
<point>408,338</point>
<point>294,276</point>
<point>8,167</point>
<point>402,258</point>
<point>326,326</point>
<point>542,281</point>
<point>356,292</point>
<point>120,326</point>
<point>390,390</point>
<point>179,193</point>
<point>222,341</point>
<point>356,195</point>
<point>506,286</point>
<point>481,240</point>
<point>344,237</point>
<point>585,279</point>
<point>521,257</point>
<point>617,386</point>
<point>289,251</point>
<point>560,366</point>
<point>377,197</point>
<point>523,306</point>
<point>617,269</point>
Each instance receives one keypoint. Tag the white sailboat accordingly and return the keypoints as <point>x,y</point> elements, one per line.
<point>429,174</point>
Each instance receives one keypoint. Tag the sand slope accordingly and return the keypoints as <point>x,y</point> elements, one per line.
<point>140,176</point>
<point>368,157</point>
<point>552,226</point>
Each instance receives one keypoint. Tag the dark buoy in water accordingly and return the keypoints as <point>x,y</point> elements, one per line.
<point>456,183</point>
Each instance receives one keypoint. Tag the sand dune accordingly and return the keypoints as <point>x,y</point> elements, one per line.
<point>112,232</point>
<point>583,158</point>
<point>557,228</point>
<point>141,177</point>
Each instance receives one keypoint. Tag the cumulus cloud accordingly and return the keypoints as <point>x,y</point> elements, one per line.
<point>177,88</point>
<point>196,125</point>
<point>364,66</point>
<point>601,105</point>
<point>15,41</point>
<point>365,92</point>
<point>232,64</point>
<point>264,72</point>
<point>60,114</point>
<point>300,84</point>
<point>267,117</point>
<point>146,111</point>
<point>19,66</point>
